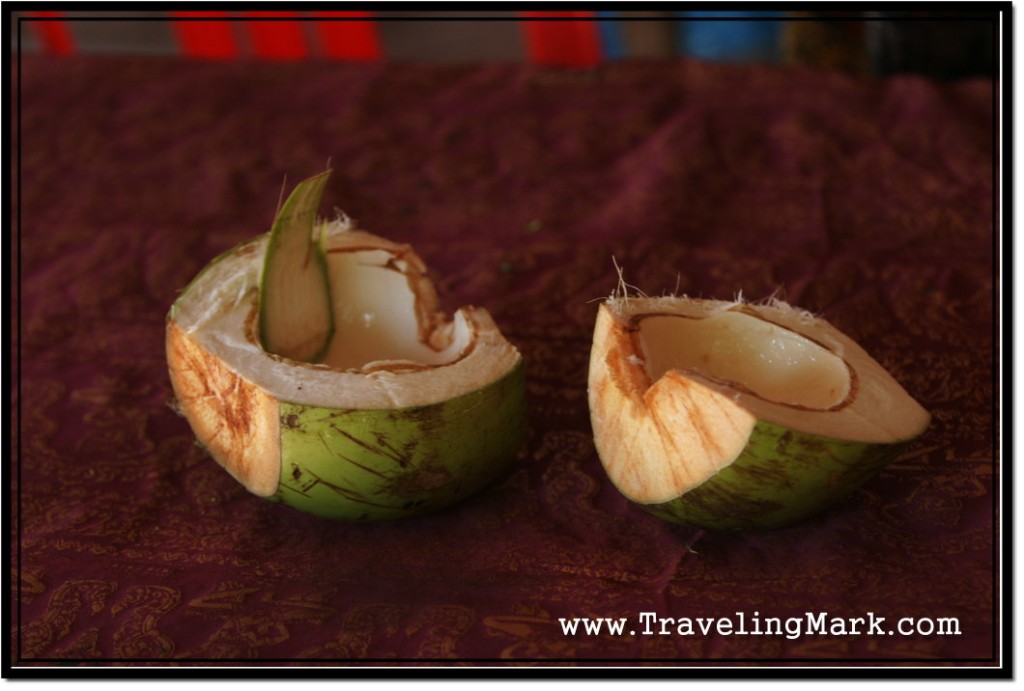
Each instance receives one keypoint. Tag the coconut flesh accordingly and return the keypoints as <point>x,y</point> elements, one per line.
<point>388,350</point>
<point>680,389</point>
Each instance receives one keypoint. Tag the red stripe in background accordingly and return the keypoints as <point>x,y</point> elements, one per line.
<point>211,36</point>
<point>353,39</point>
<point>282,39</point>
<point>563,42</point>
<point>54,34</point>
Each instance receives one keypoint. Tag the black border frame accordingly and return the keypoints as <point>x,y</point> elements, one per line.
<point>557,669</point>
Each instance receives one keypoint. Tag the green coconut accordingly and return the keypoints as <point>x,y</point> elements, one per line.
<point>730,415</point>
<point>314,365</point>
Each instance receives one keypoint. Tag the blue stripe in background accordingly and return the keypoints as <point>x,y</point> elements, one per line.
<point>610,34</point>
<point>730,36</point>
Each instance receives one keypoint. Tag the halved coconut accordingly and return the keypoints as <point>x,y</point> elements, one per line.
<point>404,411</point>
<point>729,415</point>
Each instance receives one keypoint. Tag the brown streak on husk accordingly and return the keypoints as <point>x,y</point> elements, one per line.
<point>376,450</point>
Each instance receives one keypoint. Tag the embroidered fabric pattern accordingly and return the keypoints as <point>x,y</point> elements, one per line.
<point>868,202</point>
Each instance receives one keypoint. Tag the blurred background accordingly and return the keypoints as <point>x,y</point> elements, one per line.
<point>942,45</point>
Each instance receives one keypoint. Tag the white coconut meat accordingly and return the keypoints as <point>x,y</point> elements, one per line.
<point>391,348</point>
<point>677,385</point>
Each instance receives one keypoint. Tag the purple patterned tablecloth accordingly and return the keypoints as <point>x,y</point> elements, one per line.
<point>869,202</point>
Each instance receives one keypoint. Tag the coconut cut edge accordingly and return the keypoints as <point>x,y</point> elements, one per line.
<point>231,390</point>
<point>234,420</point>
<point>659,439</point>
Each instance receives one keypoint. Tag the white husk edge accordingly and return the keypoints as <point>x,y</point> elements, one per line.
<point>881,410</point>
<point>215,311</point>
